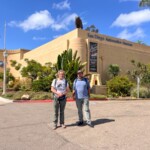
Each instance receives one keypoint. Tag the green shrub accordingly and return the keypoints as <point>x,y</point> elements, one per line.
<point>98,96</point>
<point>16,86</point>
<point>119,86</point>
<point>143,92</point>
<point>10,84</point>
<point>25,85</point>
<point>41,85</point>
<point>41,96</point>
<point>17,95</point>
<point>8,96</point>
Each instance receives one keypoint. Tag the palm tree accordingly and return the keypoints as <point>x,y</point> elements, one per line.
<point>113,70</point>
<point>144,3</point>
<point>92,28</point>
<point>140,42</point>
<point>70,63</point>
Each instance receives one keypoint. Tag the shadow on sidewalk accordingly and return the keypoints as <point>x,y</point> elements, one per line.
<point>95,122</point>
<point>75,124</point>
<point>101,121</point>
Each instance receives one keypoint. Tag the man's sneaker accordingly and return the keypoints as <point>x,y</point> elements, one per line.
<point>80,123</point>
<point>89,123</point>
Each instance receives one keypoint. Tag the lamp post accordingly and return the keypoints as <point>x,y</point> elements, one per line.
<point>5,61</point>
<point>138,86</point>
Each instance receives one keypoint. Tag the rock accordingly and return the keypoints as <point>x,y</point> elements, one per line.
<point>25,97</point>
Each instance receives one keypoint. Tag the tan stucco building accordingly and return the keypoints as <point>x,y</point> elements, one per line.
<point>98,50</point>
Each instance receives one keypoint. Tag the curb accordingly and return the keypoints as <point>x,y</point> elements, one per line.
<point>4,100</point>
<point>50,101</point>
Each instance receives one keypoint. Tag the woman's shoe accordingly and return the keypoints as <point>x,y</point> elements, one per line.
<point>63,125</point>
<point>55,127</point>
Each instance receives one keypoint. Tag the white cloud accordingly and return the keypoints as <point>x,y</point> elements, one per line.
<point>36,21</point>
<point>125,34</point>
<point>38,38</point>
<point>133,18</point>
<point>43,19</point>
<point>64,21</point>
<point>62,5</point>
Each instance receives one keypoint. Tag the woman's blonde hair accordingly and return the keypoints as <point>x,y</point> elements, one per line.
<point>59,71</point>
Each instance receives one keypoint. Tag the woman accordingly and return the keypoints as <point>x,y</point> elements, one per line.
<point>59,88</point>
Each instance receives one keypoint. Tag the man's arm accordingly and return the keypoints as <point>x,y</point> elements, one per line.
<point>55,92</point>
<point>73,92</point>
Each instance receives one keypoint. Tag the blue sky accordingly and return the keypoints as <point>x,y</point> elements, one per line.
<point>31,23</point>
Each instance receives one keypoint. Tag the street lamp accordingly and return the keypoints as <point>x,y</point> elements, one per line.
<point>5,61</point>
<point>4,76</point>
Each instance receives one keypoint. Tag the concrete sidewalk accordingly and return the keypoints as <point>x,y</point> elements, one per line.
<point>119,125</point>
<point>5,101</point>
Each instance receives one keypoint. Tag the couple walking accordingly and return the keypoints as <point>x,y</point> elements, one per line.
<point>81,93</point>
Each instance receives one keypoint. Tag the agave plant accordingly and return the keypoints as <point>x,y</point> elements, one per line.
<point>70,63</point>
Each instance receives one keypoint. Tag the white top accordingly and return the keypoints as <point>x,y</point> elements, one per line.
<point>60,85</point>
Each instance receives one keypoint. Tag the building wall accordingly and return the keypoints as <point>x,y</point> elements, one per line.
<point>114,53</point>
<point>110,51</point>
<point>49,51</point>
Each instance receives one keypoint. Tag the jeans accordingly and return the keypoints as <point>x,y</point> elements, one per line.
<point>59,108</point>
<point>83,103</point>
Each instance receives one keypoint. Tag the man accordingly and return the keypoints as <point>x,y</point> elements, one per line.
<point>59,88</point>
<point>81,92</point>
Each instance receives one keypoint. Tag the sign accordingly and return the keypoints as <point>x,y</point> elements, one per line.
<point>1,64</point>
<point>93,57</point>
<point>108,39</point>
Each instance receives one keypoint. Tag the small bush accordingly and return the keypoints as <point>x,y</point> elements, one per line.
<point>17,95</point>
<point>10,84</point>
<point>41,85</point>
<point>41,96</point>
<point>25,85</point>
<point>33,95</point>
<point>143,92</point>
<point>119,86</point>
<point>8,95</point>
<point>98,96</point>
<point>16,86</point>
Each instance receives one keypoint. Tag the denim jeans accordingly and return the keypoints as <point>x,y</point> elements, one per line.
<point>83,103</point>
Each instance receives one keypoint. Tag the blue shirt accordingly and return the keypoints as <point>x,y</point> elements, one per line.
<point>81,87</point>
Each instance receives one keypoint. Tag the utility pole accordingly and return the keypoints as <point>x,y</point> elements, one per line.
<point>5,61</point>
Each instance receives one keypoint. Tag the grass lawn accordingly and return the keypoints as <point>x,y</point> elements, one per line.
<point>16,95</point>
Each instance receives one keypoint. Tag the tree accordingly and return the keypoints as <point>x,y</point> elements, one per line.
<point>78,23</point>
<point>31,70</point>
<point>138,71</point>
<point>144,3</point>
<point>92,28</point>
<point>70,63</point>
<point>9,76</point>
<point>113,70</point>
<point>146,76</point>
<point>141,42</point>
<point>45,78</point>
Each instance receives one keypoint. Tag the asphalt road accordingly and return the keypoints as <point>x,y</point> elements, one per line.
<point>119,125</point>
